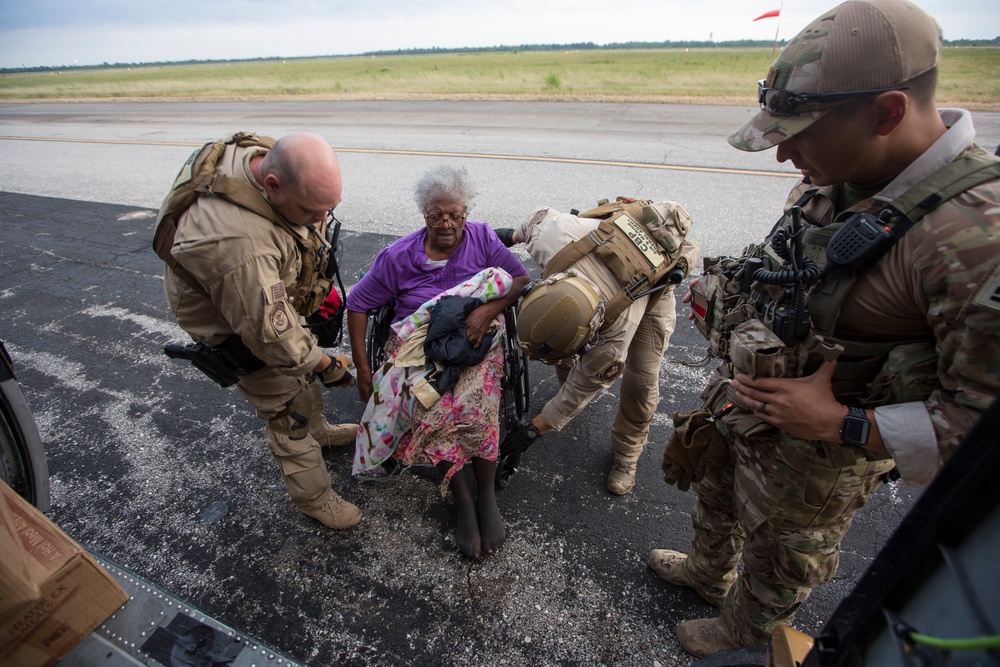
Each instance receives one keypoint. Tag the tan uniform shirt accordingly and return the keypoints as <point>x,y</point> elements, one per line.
<point>597,369</point>
<point>247,265</point>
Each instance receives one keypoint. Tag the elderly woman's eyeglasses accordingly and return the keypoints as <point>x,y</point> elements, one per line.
<point>787,103</point>
<point>437,218</point>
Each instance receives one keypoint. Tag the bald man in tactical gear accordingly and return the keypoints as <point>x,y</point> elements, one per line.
<point>243,270</point>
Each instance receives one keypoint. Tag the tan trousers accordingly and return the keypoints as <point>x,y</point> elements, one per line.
<point>632,350</point>
<point>640,390</point>
<point>298,454</point>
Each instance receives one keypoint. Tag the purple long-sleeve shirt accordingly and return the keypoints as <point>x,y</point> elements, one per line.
<point>400,271</point>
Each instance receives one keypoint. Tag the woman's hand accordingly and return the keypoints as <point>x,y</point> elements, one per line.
<point>477,323</point>
<point>364,380</point>
<point>357,327</point>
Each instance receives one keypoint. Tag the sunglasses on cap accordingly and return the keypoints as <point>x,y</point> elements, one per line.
<point>780,102</point>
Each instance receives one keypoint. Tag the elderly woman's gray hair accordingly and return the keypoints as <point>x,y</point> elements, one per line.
<point>445,181</point>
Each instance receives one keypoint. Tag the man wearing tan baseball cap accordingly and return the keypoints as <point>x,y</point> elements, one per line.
<point>863,342</point>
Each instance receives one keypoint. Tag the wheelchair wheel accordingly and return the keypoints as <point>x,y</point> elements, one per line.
<point>514,396</point>
<point>377,335</point>
<point>23,465</point>
<point>518,366</point>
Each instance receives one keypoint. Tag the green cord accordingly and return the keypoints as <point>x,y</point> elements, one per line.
<point>967,644</point>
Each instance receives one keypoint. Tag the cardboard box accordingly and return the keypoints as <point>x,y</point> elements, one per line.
<point>18,590</point>
<point>53,592</point>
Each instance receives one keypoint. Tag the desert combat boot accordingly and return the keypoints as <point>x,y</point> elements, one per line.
<point>670,566</point>
<point>335,512</point>
<point>705,636</point>
<point>621,479</point>
<point>332,435</point>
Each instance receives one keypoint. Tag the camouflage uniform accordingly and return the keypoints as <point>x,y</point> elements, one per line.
<point>783,504</point>
<point>249,266</point>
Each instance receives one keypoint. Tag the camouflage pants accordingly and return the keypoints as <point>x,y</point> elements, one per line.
<point>783,506</point>
<point>289,437</point>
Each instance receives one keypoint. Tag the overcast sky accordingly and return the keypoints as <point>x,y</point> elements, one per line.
<point>91,32</point>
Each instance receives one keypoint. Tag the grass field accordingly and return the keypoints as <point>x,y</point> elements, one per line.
<point>723,75</point>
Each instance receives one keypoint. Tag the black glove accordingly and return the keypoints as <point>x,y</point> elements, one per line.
<point>336,374</point>
<point>511,449</point>
<point>506,235</point>
<point>519,440</point>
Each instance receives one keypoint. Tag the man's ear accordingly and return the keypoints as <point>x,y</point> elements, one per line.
<point>272,184</point>
<point>890,108</point>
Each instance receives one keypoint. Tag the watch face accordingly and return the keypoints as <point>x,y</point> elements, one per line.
<point>855,429</point>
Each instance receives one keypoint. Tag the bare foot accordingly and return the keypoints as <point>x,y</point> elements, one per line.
<point>491,529</point>
<point>467,531</point>
<point>467,525</point>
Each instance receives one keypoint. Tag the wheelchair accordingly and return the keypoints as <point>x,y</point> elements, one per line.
<point>515,389</point>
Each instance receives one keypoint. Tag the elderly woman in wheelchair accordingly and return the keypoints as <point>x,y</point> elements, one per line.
<point>447,282</point>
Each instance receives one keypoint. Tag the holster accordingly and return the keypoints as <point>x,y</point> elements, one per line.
<point>205,359</point>
<point>223,364</point>
<point>696,442</point>
<point>239,356</point>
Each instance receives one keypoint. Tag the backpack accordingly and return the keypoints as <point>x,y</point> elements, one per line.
<point>640,241</point>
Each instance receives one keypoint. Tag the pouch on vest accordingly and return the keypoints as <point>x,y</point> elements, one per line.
<point>757,351</point>
<point>642,243</point>
<point>703,295</point>
<point>694,446</point>
<point>909,374</point>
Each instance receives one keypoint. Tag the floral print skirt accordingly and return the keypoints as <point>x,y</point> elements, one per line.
<point>463,424</point>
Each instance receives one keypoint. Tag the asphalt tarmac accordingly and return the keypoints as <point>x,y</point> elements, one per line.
<point>166,473</point>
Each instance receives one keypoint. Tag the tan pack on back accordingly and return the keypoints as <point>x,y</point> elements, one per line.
<point>640,241</point>
<point>197,177</point>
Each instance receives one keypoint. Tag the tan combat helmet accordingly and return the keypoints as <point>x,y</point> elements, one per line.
<point>559,316</point>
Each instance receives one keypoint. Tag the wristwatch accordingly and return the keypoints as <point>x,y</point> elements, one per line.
<point>855,428</point>
<point>531,429</point>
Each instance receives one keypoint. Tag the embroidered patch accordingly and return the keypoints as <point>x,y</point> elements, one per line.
<point>612,371</point>
<point>280,321</point>
<point>537,218</point>
<point>988,295</point>
<point>278,292</point>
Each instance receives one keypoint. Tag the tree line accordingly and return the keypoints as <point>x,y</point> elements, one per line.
<point>579,46</point>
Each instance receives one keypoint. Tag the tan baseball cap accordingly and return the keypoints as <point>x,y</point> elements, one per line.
<point>858,46</point>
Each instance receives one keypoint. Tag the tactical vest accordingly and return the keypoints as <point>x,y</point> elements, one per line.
<point>198,178</point>
<point>623,244</point>
<point>722,305</point>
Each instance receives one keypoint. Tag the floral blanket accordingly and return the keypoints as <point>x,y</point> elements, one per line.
<point>388,417</point>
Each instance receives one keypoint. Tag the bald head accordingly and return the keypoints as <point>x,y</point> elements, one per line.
<point>301,175</point>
